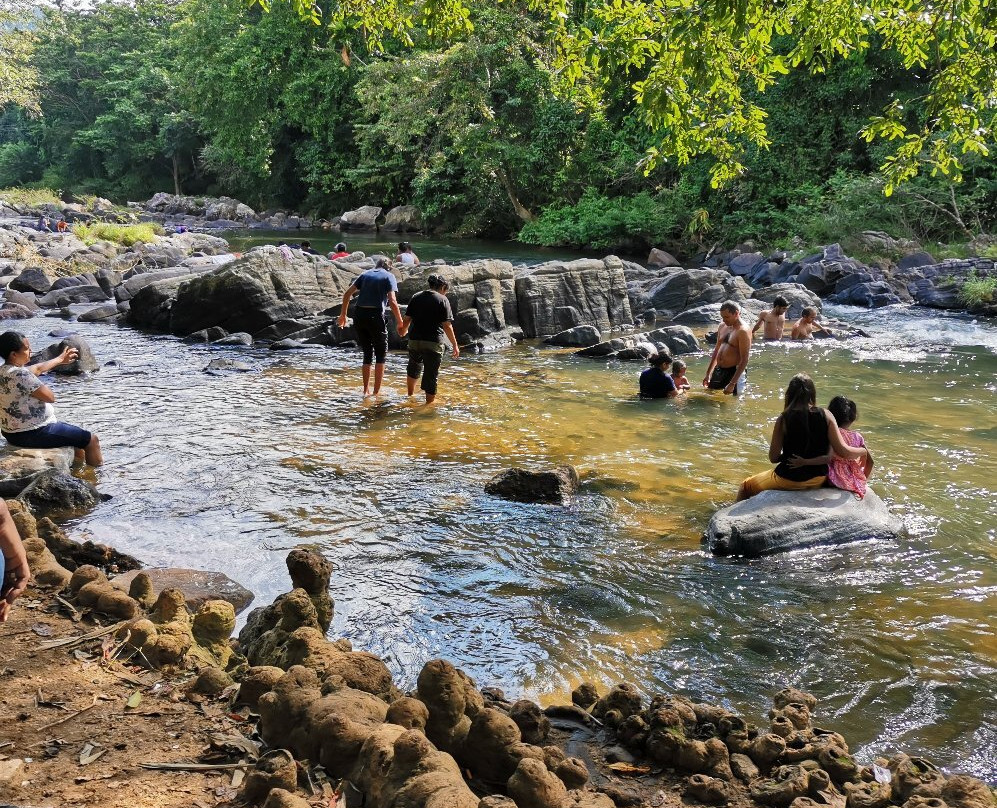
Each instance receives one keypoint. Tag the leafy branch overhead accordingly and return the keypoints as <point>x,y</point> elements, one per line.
<point>698,69</point>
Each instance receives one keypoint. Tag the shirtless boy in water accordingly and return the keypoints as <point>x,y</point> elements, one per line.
<point>804,327</point>
<point>774,319</point>
<point>730,357</point>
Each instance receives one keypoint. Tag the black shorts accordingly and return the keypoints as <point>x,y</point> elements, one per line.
<point>430,354</point>
<point>372,333</point>
<point>722,377</point>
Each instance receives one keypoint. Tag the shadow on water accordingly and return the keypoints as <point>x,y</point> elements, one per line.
<point>897,639</point>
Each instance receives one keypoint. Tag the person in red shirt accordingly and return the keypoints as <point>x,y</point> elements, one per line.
<point>340,252</point>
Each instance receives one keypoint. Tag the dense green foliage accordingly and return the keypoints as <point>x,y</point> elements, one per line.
<point>126,234</point>
<point>500,120</point>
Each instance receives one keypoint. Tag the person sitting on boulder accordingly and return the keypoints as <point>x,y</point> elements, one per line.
<point>848,474</point>
<point>804,327</point>
<point>27,417</point>
<point>655,381</point>
<point>774,319</point>
<point>406,256</point>
<point>306,247</point>
<point>14,572</point>
<point>61,226</point>
<point>678,375</point>
<point>340,252</point>
<point>802,439</point>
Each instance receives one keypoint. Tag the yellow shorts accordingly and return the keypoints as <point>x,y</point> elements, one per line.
<point>770,481</point>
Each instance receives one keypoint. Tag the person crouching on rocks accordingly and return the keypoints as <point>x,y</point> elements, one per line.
<point>655,381</point>
<point>27,417</point>
<point>428,318</point>
<point>804,433</point>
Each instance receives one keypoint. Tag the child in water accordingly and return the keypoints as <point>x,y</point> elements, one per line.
<point>848,475</point>
<point>678,375</point>
<point>804,327</point>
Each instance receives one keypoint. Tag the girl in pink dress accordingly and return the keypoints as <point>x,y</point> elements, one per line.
<point>848,475</point>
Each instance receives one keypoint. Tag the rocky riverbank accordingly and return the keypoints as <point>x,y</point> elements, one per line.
<point>123,695</point>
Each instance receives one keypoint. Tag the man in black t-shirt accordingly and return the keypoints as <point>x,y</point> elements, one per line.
<point>428,318</point>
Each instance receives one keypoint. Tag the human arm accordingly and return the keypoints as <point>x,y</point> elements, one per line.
<point>760,321</point>
<point>393,304</point>
<point>743,352</point>
<point>403,328</point>
<point>16,573</point>
<point>68,355</point>
<point>713,358</point>
<point>838,446</point>
<point>347,295</point>
<point>415,259</point>
<point>448,330</point>
<point>778,436</point>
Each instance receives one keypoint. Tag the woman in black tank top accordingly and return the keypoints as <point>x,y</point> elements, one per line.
<point>803,431</point>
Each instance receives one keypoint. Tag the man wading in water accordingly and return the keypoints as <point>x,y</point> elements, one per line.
<point>730,357</point>
<point>376,289</point>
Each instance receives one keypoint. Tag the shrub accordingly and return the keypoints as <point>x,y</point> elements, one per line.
<point>977,291</point>
<point>627,223</point>
<point>29,197</point>
<point>125,234</point>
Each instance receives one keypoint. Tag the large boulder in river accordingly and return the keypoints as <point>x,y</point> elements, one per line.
<point>57,494</point>
<point>558,295</point>
<point>85,361</point>
<point>403,219</point>
<point>552,486</point>
<point>777,521</point>
<point>682,289</point>
<point>481,294</point>
<point>253,294</point>
<point>675,339</point>
<point>31,280</point>
<point>581,336</point>
<point>363,218</point>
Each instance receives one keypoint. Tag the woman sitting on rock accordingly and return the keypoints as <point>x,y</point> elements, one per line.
<point>27,417</point>
<point>803,432</point>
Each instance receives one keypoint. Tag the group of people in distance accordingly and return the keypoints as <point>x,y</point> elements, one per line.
<point>428,323</point>
<point>774,320</point>
<point>810,446</point>
<point>27,420</point>
<point>45,225</point>
<point>406,255</point>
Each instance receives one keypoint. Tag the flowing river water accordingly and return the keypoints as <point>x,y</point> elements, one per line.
<point>897,639</point>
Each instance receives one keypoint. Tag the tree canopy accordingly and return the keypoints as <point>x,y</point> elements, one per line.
<point>691,65</point>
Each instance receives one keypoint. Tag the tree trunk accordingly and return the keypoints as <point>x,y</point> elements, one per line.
<point>176,175</point>
<point>521,211</point>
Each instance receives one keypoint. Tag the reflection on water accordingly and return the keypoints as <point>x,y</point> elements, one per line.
<point>896,638</point>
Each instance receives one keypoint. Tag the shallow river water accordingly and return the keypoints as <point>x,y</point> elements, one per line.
<point>897,639</point>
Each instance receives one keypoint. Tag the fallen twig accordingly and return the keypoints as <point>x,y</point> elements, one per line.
<point>46,646</point>
<point>195,767</point>
<point>70,717</point>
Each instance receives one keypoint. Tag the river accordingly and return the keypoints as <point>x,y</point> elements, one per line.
<point>896,639</point>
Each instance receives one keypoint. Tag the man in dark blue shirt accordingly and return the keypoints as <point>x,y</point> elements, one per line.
<point>375,290</point>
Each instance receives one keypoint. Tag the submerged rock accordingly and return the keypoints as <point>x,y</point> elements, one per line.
<point>553,486</point>
<point>777,521</point>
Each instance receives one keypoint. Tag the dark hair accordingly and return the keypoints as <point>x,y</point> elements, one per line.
<point>340,247</point>
<point>801,397</point>
<point>678,363</point>
<point>10,342</point>
<point>381,263</point>
<point>730,305</point>
<point>659,359</point>
<point>306,244</point>
<point>844,410</point>
<point>780,301</point>
<point>808,311</point>
<point>404,246</point>
<point>437,282</point>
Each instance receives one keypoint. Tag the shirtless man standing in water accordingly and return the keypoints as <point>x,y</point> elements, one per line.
<point>730,357</point>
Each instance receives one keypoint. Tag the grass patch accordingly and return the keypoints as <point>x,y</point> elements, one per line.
<point>125,234</point>
<point>977,291</point>
<point>29,197</point>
